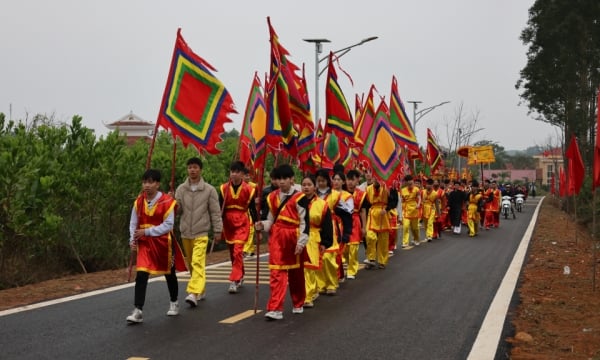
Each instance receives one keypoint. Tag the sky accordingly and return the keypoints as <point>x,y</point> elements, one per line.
<point>105,59</point>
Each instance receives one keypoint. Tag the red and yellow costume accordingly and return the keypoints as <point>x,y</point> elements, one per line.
<point>492,208</point>
<point>236,223</point>
<point>473,213</point>
<point>328,276</point>
<point>155,254</point>
<point>320,233</point>
<point>410,214</point>
<point>378,224</point>
<point>430,211</point>
<point>284,264</point>
<point>351,249</point>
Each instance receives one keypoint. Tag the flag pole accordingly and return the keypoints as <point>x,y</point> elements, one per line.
<point>594,239</point>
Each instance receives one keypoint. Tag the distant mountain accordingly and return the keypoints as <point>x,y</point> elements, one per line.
<point>530,151</point>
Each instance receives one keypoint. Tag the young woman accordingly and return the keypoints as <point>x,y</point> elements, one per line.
<point>320,237</point>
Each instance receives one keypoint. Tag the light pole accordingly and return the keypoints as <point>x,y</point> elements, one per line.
<point>318,50</point>
<point>417,115</point>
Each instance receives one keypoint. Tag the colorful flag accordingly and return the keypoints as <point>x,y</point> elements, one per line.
<point>434,155</point>
<point>195,104</point>
<point>380,150</point>
<point>576,168</point>
<point>280,128</point>
<point>596,166</point>
<point>306,132</point>
<point>361,131</point>
<point>403,131</point>
<point>251,147</point>
<point>338,115</point>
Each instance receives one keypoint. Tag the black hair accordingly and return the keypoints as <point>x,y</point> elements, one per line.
<point>274,174</point>
<point>196,161</point>
<point>408,177</point>
<point>325,175</point>
<point>429,181</point>
<point>151,175</point>
<point>311,177</point>
<point>237,166</point>
<point>338,168</point>
<point>285,171</point>
<point>246,171</point>
<point>353,174</point>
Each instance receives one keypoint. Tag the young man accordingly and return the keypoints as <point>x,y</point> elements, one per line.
<point>378,225</point>
<point>411,206</point>
<point>237,199</point>
<point>249,246</point>
<point>150,227</point>
<point>287,224</point>
<point>473,208</point>
<point>456,199</point>
<point>198,205</point>
<point>431,209</point>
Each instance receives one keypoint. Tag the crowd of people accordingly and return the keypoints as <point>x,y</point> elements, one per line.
<point>314,228</point>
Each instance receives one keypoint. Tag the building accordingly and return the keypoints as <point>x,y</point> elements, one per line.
<point>511,175</point>
<point>133,128</point>
<point>548,163</point>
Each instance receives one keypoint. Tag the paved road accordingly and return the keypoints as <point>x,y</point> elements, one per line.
<point>428,304</point>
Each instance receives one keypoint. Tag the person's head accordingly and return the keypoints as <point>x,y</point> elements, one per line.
<point>408,181</point>
<point>286,173</point>
<point>151,182</point>
<point>369,176</point>
<point>274,175</point>
<point>436,184</point>
<point>247,177</point>
<point>494,185</point>
<point>352,179</point>
<point>429,184</point>
<point>456,185</point>
<point>474,186</point>
<point>194,169</point>
<point>309,185</point>
<point>236,172</point>
<point>323,179</point>
<point>338,168</point>
<point>486,184</point>
<point>338,180</point>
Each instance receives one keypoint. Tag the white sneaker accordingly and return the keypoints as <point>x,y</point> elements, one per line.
<point>274,315</point>
<point>299,310</point>
<point>201,296</point>
<point>233,287</point>
<point>239,283</point>
<point>192,300</point>
<point>135,317</point>
<point>417,242</point>
<point>350,277</point>
<point>173,309</point>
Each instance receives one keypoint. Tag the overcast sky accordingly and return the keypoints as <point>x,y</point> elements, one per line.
<point>103,59</point>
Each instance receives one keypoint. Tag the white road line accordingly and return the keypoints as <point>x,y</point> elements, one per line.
<point>487,340</point>
<point>92,293</point>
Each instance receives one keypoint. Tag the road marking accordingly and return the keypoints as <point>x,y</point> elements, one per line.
<point>138,358</point>
<point>486,343</point>
<point>239,317</point>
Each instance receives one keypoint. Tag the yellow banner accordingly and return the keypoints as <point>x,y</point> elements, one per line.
<point>481,155</point>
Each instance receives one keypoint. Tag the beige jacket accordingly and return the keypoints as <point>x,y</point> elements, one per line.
<point>200,210</point>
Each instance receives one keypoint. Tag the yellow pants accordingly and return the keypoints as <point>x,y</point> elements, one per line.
<point>428,225</point>
<point>408,226</point>
<point>249,245</point>
<point>351,257</point>
<point>473,223</point>
<point>195,256</point>
<point>327,277</point>
<point>310,282</point>
<point>377,246</point>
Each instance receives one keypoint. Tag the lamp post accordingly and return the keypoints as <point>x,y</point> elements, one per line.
<point>318,50</point>
<point>417,115</point>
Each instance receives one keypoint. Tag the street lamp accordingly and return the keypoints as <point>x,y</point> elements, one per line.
<point>318,50</point>
<point>417,115</point>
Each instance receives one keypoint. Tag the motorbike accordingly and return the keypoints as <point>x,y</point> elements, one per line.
<point>519,200</point>
<point>506,206</point>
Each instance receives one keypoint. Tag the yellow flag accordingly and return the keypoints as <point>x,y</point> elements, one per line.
<point>481,155</point>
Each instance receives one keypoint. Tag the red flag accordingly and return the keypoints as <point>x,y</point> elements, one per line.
<point>562,186</point>
<point>596,169</point>
<point>576,167</point>
<point>434,155</point>
<point>251,146</point>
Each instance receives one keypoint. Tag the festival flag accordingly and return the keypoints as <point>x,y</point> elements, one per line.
<point>596,166</point>
<point>251,147</point>
<point>434,155</point>
<point>280,128</point>
<point>576,168</point>
<point>380,150</point>
<point>306,132</point>
<point>403,131</point>
<point>361,131</point>
<point>195,104</point>
<point>562,186</point>
<point>338,115</point>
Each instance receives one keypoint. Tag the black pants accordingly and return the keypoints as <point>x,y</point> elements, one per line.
<point>141,283</point>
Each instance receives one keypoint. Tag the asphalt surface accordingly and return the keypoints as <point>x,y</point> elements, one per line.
<point>429,303</point>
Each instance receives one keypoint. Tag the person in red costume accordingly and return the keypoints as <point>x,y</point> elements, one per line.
<point>158,253</point>
<point>287,224</point>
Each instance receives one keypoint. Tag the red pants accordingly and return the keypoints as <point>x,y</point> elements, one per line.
<point>236,255</point>
<point>278,282</point>
<point>392,239</point>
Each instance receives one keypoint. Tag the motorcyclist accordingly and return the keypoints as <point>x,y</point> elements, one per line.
<point>509,191</point>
